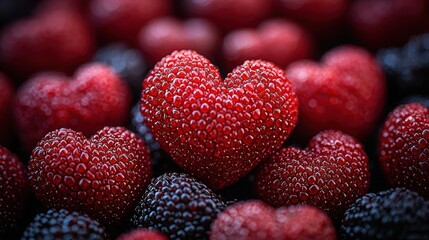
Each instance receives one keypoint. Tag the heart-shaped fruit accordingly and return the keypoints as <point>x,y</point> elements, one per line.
<point>165,35</point>
<point>345,92</point>
<point>331,173</point>
<point>97,97</point>
<point>218,130</point>
<point>288,43</point>
<point>404,147</point>
<point>103,176</point>
<point>57,40</point>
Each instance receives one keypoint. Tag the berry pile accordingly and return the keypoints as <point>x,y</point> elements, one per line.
<point>214,119</point>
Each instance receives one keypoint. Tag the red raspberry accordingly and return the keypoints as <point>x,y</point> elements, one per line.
<point>121,20</point>
<point>345,92</point>
<point>52,40</point>
<point>229,14</point>
<point>142,234</point>
<point>162,36</point>
<point>254,220</point>
<point>288,42</point>
<point>331,173</point>
<point>50,101</point>
<point>403,147</point>
<point>6,122</point>
<point>383,23</point>
<point>13,191</point>
<point>103,177</point>
<point>218,130</point>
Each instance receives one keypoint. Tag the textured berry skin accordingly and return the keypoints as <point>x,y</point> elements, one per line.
<point>6,122</point>
<point>218,130</point>
<point>103,176</point>
<point>124,21</point>
<point>288,42</point>
<point>229,14</point>
<point>393,214</point>
<point>178,206</point>
<point>403,147</point>
<point>303,222</point>
<point>44,43</point>
<point>96,97</point>
<point>13,190</point>
<point>384,23</point>
<point>346,91</point>
<point>142,234</point>
<point>63,224</point>
<point>331,173</point>
<point>164,35</point>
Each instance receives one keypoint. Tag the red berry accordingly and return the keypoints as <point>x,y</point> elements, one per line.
<point>95,98</point>
<point>404,147</point>
<point>57,40</point>
<point>229,14</point>
<point>331,173</point>
<point>6,122</point>
<point>121,20</point>
<point>142,234</point>
<point>346,91</point>
<point>165,35</point>
<point>13,191</point>
<point>288,42</point>
<point>218,130</point>
<point>103,176</point>
<point>383,23</point>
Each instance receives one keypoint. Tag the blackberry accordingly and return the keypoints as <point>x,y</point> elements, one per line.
<point>179,206</point>
<point>62,224</point>
<point>393,214</point>
<point>127,62</point>
<point>407,68</point>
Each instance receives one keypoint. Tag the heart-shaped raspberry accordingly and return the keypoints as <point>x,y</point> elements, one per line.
<point>331,173</point>
<point>346,91</point>
<point>102,176</point>
<point>94,99</point>
<point>218,130</point>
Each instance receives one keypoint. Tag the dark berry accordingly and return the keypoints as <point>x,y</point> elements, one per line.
<point>178,206</point>
<point>62,224</point>
<point>393,214</point>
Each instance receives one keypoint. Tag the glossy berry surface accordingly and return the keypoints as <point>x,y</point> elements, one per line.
<point>63,224</point>
<point>288,42</point>
<point>14,191</point>
<point>6,101</point>
<point>94,98</point>
<point>44,43</point>
<point>217,130</point>
<point>178,206</point>
<point>331,173</point>
<point>393,214</point>
<point>403,147</point>
<point>346,92</point>
<point>142,234</point>
<point>103,176</point>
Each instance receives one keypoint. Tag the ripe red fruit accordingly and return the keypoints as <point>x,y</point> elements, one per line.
<point>218,130</point>
<point>383,23</point>
<point>142,234</point>
<point>403,148</point>
<point>346,91</point>
<point>95,98</point>
<point>331,173</point>
<point>288,42</point>
<point>103,176</point>
<point>57,40</point>
<point>229,14</point>
<point>254,220</point>
<point>13,191</point>
<point>121,20</point>
<point>165,35</point>
<point>6,122</point>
